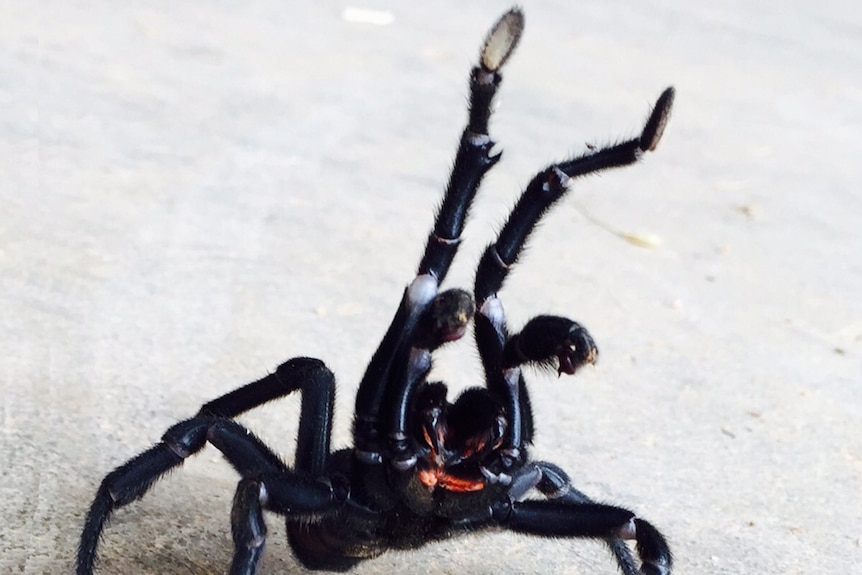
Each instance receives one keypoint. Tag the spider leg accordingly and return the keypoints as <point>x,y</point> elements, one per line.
<point>266,484</point>
<point>551,340</point>
<point>134,478</point>
<point>444,320</point>
<point>541,193</point>
<point>546,341</point>
<point>549,185</point>
<point>571,513</point>
<point>474,157</point>
<point>555,484</point>
<point>472,161</point>
<point>247,527</point>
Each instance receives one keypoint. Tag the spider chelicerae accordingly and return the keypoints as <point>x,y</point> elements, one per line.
<point>421,468</point>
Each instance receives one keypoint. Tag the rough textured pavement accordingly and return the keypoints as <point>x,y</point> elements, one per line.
<point>193,192</point>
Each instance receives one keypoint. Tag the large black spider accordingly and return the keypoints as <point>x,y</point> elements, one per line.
<point>422,468</point>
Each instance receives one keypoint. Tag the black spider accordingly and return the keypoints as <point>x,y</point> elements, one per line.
<point>421,469</point>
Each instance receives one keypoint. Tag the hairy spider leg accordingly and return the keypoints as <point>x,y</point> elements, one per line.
<point>317,384</point>
<point>266,484</point>
<point>545,341</point>
<point>551,341</point>
<point>474,157</point>
<point>502,354</point>
<point>555,484</point>
<point>245,453</point>
<point>444,320</point>
<point>588,520</point>
<point>540,195</point>
<point>472,161</point>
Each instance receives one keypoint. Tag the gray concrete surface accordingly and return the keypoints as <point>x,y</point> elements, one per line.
<point>193,192</point>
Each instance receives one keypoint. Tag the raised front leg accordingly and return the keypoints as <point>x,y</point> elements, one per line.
<point>474,157</point>
<point>550,185</point>
<point>473,160</point>
<point>545,189</point>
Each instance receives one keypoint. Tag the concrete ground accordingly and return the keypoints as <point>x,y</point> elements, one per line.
<point>193,192</point>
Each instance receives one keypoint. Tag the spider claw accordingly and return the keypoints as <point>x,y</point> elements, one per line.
<point>577,350</point>
<point>565,365</point>
<point>502,40</point>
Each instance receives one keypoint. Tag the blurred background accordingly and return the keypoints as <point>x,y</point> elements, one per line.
<point>194,192</point>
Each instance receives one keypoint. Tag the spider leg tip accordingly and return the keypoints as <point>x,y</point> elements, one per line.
<point>657,122</point>
<point>502,40</point>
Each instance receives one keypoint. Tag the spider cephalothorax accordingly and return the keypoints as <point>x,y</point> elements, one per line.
<point>422,467</point>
